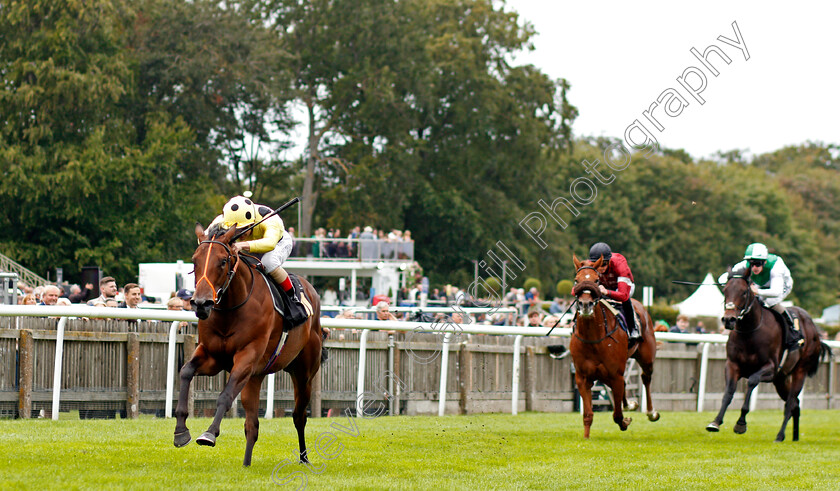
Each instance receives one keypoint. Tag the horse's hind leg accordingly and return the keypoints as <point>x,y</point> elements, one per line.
<point>797,381</point>
<point>251,402</point>
<point>732,376</point>
<point>200,364</point>
<point>302,382</point>
<point>647,374</point>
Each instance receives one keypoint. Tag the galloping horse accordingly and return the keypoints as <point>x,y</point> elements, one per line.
<point>600,348</point>
<point>239,331</point>
<point>754,351</point>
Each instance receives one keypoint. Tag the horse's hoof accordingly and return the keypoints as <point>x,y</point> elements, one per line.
<point>625,423</point>
<point>631,406</point>
<point>653,416</point>
<point>207,439</point>
<point>779,439</point>
<point>182,438</point>
<point>740,428</point>
<point>713,427</point>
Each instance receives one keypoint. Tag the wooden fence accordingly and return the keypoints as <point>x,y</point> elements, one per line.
<point>115,367</point>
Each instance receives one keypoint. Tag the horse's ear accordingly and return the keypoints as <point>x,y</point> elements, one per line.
<point>577,262</point>
<point>598,263</point>
<point>748,273</point>
<point>228,236</point>
<point>199,231</point>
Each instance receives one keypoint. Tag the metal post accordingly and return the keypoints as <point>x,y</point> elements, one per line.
<point>59,353</point>
<point>352,287</point>
<point>269,396</point>
<point>504,281</point>
<point>704,368</point>
<point>444,369</point>
<point>514,403</point>
<point>360,381</point>
<point>170,369</point>
<point>391,374</point>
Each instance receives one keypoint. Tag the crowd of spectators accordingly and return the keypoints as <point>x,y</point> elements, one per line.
<point>331,243</point>
<point>129,296</point>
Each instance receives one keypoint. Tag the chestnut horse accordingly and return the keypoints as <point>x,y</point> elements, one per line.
<point>600,348</point>
<point>239,331</point>
<point>754,351</point>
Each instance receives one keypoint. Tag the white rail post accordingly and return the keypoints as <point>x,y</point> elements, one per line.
<point>704,369</point>
<point>444,369</point>
<point>59,354</point>
<point>514,402</point>
<point>360,382</point>
<point>170,369</point>
<point>269,396</point>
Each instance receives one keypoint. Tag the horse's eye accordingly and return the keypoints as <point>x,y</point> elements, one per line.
<point>224,261</point>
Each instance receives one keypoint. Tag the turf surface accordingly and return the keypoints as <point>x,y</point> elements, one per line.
<point>491,451</point>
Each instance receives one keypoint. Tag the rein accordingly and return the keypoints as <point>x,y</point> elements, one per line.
<point>744,311</point>
<point>219,292</point>
<point>607,335</point>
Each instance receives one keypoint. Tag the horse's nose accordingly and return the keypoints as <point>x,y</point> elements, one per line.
<point>728,321</point>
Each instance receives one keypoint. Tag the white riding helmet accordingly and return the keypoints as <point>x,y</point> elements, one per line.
<point>756,252</point>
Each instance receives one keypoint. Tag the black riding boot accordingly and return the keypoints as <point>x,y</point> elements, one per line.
<point>630,317</point>
<point>295,312</point>
<point>794,339</point>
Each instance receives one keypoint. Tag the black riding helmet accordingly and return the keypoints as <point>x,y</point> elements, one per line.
<point>598,250</point>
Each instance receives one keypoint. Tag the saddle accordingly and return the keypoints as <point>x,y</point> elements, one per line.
<point>618,312</point>
<point>282,303</point>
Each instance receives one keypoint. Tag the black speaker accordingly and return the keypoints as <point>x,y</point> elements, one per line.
<point>91,274</point>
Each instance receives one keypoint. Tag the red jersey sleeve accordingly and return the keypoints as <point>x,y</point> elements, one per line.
<point>624,278</point>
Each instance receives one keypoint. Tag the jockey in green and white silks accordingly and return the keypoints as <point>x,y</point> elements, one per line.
<point>772,282</point>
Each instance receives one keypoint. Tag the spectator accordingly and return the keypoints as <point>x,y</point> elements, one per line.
<point>701,328</point>
<point>108,290</point>
<point>63,301</point>
<point>557,306</point>
<point>185,296</point>
<point>175,303</point>
<point>291,232</point>
<point>28,299</point>
<point>682,324</point>
<point>112,302</point>
<point>383,312</point>
<point>661,326</point>
<point>78,295</point>
<point>330,297</point>
<point>131,293</point>
<point>50,295</point>
<point>534,318</point>
<point>96,302</point>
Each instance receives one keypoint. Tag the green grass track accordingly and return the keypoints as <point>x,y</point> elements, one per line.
<point>479,452</point>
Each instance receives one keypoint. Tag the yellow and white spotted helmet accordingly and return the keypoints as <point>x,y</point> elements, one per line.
<point>239,211</point>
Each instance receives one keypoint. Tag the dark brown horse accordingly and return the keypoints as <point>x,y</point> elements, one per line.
<point>754,351</point>
<point>600,349</point>
<point>239,331</point>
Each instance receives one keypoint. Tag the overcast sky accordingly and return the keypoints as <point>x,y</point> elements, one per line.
<point>620,56</point>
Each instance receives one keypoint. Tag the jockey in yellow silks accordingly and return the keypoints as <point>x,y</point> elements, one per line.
<point>270,243</point>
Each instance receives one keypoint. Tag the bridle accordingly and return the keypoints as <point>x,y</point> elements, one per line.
<point>592,285</point>
<point>744,311</point>
<point>219,292</point>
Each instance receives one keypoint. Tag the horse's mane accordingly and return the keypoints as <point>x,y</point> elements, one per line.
<point>215,230</point>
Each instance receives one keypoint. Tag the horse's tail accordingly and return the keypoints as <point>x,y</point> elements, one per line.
<point>325,352</point>
<point>825,352</point>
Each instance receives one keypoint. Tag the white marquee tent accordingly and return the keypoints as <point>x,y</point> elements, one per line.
<point>706,301</point>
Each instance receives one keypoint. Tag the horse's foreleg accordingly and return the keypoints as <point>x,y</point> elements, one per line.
<point>792,405</point>
<point>251,403</point>
<point>732,376</point>
<point>765,374</point>
<point>585,389</point>
<point>242,369</point>
<point>617,387</point>
<point>200,364</point>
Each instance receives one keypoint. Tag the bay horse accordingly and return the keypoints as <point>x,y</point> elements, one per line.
<point>239,331</point>
<point>600,348</point>
<point>755,349</point>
